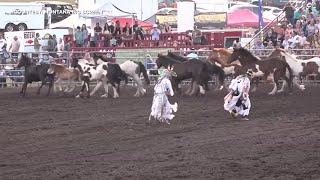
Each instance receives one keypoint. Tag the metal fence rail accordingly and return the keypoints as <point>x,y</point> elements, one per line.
<point>14,77</point>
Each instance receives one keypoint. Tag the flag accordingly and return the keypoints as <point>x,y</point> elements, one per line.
<point>260,14</point>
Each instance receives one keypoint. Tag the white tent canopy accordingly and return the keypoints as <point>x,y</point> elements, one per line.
<point>70,22</point>
<point>107,10</point>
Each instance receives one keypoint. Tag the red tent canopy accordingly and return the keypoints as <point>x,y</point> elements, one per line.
<point>123,22</point>
<point>244,18</point>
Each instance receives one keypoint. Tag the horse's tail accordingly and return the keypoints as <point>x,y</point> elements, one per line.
<point>220,72</point>
<point>290,72</point>
<point>143,70</point>
<point>124,76</point>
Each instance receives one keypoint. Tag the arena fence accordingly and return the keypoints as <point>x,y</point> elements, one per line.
<point>12,77</point>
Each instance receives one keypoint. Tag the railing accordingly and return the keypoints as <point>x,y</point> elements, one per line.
<point>18,79</point>
<point>265,30</point>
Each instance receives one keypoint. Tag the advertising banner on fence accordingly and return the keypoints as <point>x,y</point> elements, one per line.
<point>26,38</point>
<point>202,20</point>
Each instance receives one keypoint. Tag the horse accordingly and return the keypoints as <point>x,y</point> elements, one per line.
<point>185,70</point>
<point>35,73</point>
<point>105,73</point>
<point>63,73</point>
<point>213,69</point>
<point>220,57</point>
<point>133,69</point>
<point>301,68</point>
<point>263,68</point>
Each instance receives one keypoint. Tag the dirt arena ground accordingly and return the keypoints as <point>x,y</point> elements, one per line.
<point>61,137</point>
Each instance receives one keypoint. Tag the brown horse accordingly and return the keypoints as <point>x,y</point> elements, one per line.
<point>63,73</point>
<point>220,57</point>
<point>263,68</point>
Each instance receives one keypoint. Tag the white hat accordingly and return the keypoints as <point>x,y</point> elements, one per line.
<point>155,25</point>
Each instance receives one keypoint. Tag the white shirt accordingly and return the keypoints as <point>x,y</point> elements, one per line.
<point>164,86</point>
<point>241,83</point>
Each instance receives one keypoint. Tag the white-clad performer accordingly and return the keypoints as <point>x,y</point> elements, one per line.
<point>161,108</point>
<point>237,101</point>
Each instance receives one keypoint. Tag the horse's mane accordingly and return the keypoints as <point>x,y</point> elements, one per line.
<point>247,53</point>
<point>291,56</point>
<point>224,52</point>
<point>166,58</point>
<point>27,59</point>
<point>172,55</point>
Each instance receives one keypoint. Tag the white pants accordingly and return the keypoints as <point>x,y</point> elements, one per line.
<point>161,108</point>
<point>233,103</point>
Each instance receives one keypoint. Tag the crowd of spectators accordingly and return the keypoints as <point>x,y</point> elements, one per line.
<point>299,31</point>
<point>113,35</point>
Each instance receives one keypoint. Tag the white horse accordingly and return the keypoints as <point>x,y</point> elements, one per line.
<point>298,67</point>
<point>132,69</point>
<point>98,73</point>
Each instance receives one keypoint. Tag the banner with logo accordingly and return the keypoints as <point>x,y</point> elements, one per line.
<point>206,20</point>
<point>26,38</point>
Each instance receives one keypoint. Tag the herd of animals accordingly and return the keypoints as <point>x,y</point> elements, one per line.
<point>280,65</point>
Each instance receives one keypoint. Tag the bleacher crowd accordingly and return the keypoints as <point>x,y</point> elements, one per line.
<point>299,30</point>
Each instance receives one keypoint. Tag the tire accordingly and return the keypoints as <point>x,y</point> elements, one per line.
<point>10,27</point>
<point>22,27</point>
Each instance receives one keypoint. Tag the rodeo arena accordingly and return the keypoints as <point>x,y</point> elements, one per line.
<point>160,89</point>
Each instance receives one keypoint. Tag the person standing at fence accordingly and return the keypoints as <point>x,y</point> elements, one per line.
<point>14,48</point>
<point>78,36</point>
<point>237,101</point>
<point>161,108</point>
<point>155,34</point>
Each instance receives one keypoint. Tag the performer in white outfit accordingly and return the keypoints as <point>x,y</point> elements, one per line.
<point>161,108</point>
<point>237,101</point>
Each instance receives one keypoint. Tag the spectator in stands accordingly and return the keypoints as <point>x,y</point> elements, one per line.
<point>14,47</point>
<point>193,55</point>
<point>286,42</point>
<point>289,30</point>
<point>127,30</point>
<point>85,34</point>
<point>117,30</point>
<point>106,29</point>
<point>113,41</point>
<point>311,29</point>
<point>297,15</point>
<point>155,33</point>
<point>78,36</point>
<point>149,63</point>
<point>289,10</point>
<point>55,43</point>
<point>196,36</point>
<point>280,29</point>
<point>111,28</point>
<point>5,55</point>
<point>135,26</point>
<point>2,41</point>
<point>139,35</point>
<point>259,48</point>
<point>51,46</point>
<point>167,28</point>
<point>267,38</point>
<point>97,29</point>
<point>36,45</point>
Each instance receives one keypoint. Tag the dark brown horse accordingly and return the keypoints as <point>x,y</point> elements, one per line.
<point>214,70</point>
<point>35,73</point>
<point>195,70</point>
<point>263,68</point>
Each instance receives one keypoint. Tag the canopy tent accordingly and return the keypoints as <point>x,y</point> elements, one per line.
<point>123,22</point>
<point>107,10</point>
<point>70,22</point>
<point>244,18</point>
